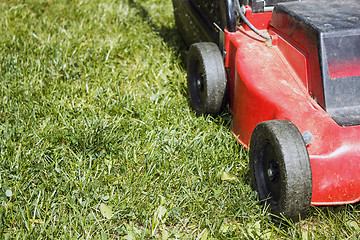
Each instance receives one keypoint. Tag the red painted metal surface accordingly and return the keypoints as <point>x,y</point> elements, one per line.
<point>273,83</point>
<point>259,20</point>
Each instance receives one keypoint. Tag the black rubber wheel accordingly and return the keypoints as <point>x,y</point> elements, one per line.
<point>280,168</point>
<point>206,78</point>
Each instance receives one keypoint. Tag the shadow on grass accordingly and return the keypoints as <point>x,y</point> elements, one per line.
<point>173,39</point>
<point>170,35</point>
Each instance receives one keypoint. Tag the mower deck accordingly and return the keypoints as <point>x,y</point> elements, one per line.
<point>334,151</point>
<point>306,81</point>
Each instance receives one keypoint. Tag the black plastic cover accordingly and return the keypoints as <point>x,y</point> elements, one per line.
<point>191,24</point>
<point>330,32</point>
<point>221,12</point>
<point>341,69</point>
<point>209,10</point>
<point>259,5</point>
<point>196,19</point>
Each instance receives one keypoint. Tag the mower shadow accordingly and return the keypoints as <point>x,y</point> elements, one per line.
<point>173,39</point>
<point>169,34</point>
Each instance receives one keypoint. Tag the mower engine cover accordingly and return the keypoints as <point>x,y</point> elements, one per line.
<point>330,32</point>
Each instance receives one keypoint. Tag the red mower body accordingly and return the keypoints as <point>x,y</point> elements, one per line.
<point>304,81</point>
<point>273,82</point>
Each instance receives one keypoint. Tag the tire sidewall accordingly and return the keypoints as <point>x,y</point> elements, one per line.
<point>205,57</point>
<point>292,157</point>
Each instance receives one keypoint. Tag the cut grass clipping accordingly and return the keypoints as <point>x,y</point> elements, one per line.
<point>97,139</point>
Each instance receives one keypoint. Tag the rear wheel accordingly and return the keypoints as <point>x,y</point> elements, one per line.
<point>280,168</point>
<point>206,78</point>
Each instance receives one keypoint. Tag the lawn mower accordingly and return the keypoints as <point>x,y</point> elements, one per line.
<point>289,72</point>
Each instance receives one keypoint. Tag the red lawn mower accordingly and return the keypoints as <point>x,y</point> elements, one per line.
<point>290,73</point>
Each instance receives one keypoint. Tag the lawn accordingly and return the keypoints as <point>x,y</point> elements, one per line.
<point>97,139</point>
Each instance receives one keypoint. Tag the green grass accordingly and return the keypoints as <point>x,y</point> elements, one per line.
<point>94,112</point>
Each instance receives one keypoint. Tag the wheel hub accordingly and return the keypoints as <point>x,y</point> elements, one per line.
<point>272,172</point>
<point>200,83</point>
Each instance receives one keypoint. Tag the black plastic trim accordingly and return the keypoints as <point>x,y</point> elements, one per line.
<point>228,15</point>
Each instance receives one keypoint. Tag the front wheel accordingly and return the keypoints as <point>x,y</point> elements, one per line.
<point>280,168</point>
<point>206,78</point>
